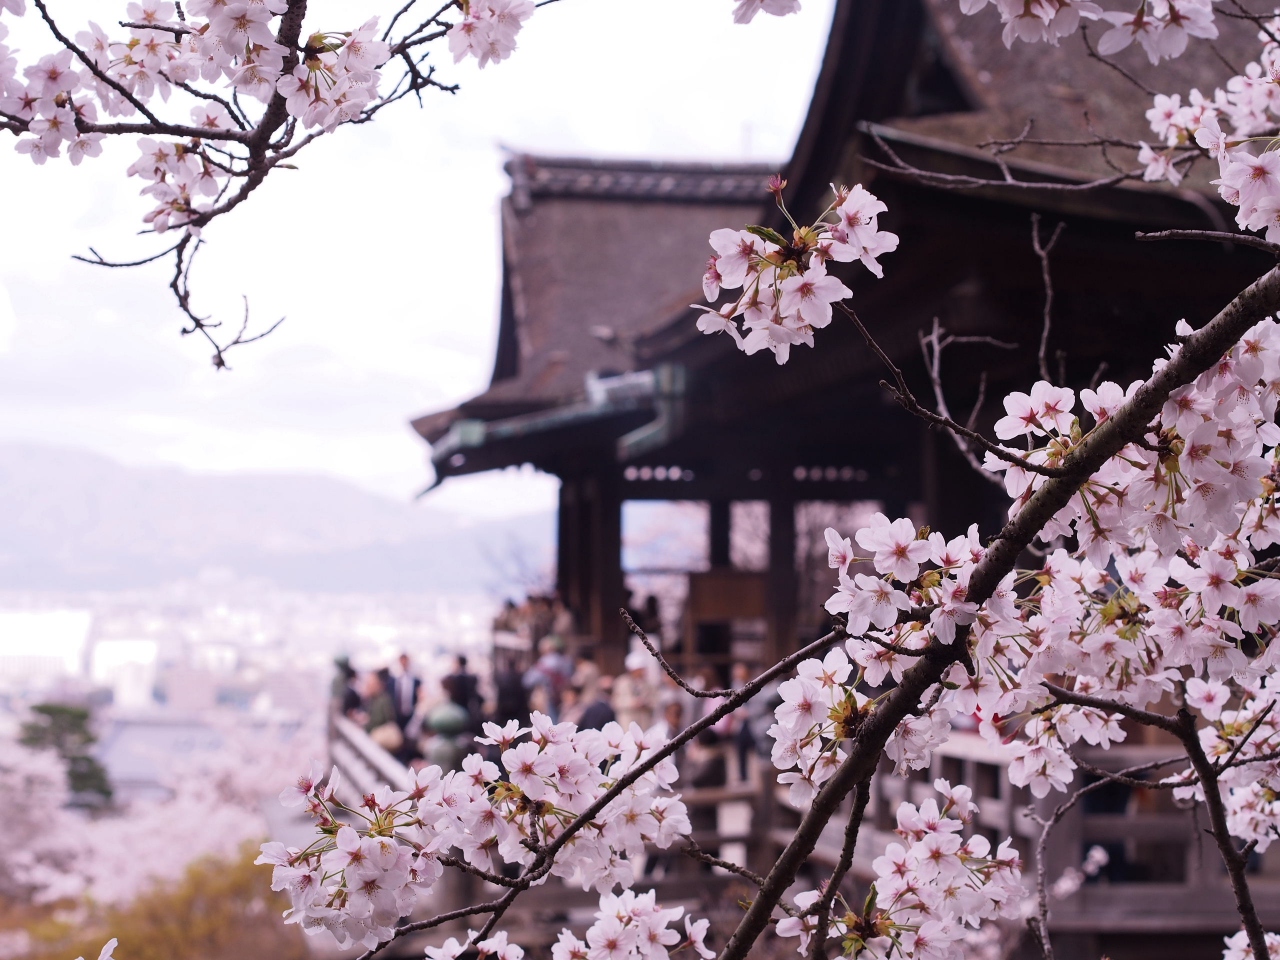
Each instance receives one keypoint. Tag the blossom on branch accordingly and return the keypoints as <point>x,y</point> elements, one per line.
<point>787,292</point>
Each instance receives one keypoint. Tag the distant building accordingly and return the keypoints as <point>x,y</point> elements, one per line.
<point>38,648</point>
<point>128,668</point>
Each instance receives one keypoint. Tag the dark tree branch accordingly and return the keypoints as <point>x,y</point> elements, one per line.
<point>822,909</point>
<point>1042,252</point>
<point>1245,239</point>
<point>1235,860</point>
<point>902,393</point>
<point>1065,696</point>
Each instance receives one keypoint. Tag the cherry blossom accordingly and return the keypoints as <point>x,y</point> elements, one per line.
<point>746,10</point>
<point>787,291</point>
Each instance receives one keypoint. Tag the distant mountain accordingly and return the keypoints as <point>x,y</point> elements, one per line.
<point>75,520</point>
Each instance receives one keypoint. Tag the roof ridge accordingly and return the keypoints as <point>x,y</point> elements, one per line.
<point>535,176</point>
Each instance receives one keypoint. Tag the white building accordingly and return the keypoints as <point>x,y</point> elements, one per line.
<point>40,647</point>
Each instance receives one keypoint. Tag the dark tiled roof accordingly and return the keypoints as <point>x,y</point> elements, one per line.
<point>595,254</point>
<point>1067,93</point>
<point>538,177</point>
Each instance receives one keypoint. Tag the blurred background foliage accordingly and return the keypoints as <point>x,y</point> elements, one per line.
<point>219,910</point>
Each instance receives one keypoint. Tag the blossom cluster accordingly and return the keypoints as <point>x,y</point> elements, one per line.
<point>1161,27</point>
<point>628,926</point>
<point>1228,127</point>
<point>1161,596</point>
<point>931,891</point>
<point>1238,947</point>
<point>356,880</point>
<point>1247,737</point>
<point>64,100</point>
<point>786,290</point>
<point>488,29</point>
<point>631,926</point>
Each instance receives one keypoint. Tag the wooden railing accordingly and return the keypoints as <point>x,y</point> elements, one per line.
<point>364,765</point>
<point>1163,876</point>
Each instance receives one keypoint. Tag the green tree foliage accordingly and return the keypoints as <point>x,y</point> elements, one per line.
<point>219,910</point>
<point>65,729</point>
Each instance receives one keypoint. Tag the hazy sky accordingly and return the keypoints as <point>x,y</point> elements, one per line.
<point>381,250</point>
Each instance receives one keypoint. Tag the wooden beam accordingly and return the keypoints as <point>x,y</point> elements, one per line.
<point>782,573</point>
<point>719,532</point>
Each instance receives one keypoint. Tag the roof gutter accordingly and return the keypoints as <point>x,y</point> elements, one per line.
<point>606,397</point>
<point>669,401</point>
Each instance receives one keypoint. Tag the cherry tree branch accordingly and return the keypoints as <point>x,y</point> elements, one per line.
<point>1235,860</point>
<point>697,853</point>
<point>1042,252</point>
<point>1064,696</point>
<point>822,909</point>
<point>1257,722</point>
<point>932,346</point>
<point>1039,924</point>
<point>545,858</point>
<point>1094,55</point>
<point>958,181</point>
<point>91,66</point>
<point>1245,239</point>
<point>902,393</point>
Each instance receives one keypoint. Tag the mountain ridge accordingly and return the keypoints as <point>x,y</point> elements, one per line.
<point>73,519</point>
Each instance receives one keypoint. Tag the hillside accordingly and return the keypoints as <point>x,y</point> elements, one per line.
<point>71,519</point>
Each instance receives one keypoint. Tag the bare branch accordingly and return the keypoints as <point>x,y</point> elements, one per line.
<point>1065,696</point>
<point>932,347</point>
<point>1040,924</point>
<point>822,909</point>
<point>902,393</point>
<point>1245,239</point>
<point>955,181</point>
<point>1042,251</point>
<point>1084,36</point>
<point>697,853</point>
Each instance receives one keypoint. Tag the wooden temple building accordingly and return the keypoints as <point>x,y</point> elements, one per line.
<point>601,378</point>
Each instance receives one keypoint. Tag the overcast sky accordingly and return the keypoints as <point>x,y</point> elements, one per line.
<point>381,250</point>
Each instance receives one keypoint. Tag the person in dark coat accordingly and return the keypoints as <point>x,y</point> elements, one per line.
<point>463,689</point>
<point>511,700</point>
<point>404,691</point>
<point>598,711</point>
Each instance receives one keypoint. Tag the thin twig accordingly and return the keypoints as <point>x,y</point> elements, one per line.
<point>822,909</point>
<point>902,393</point>
<point>1042,252</point>
<point>1257,722</point>
<point>1040,924</point>
<point>1093,54</point>
<point>931,346</point>
<point>1244,239</point>
<point>692,849</point>
<point>1065,696</point>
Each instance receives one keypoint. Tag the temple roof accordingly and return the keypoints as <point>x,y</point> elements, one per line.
<point>595,254</point>
<point>601,258</point>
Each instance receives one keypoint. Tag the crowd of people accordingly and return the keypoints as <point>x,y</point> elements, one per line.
<point>435,719</point>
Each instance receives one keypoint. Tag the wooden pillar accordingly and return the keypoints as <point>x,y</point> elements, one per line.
<point>568,545</point>
<point>719,533</point>
<point>605,561</point>
<point>782,573</point>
